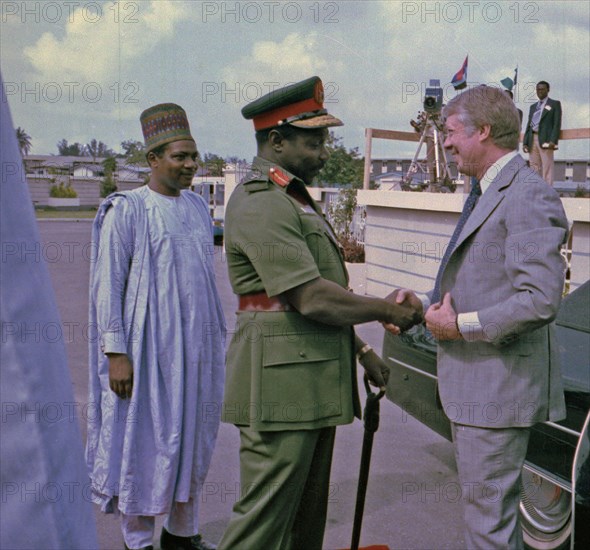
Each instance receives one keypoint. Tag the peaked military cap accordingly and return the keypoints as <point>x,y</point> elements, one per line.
<point>300,104</point>
<point>163,124</point>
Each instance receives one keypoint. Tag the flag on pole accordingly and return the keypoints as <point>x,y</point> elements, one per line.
<point>459,81</point>
<point>510,83</point>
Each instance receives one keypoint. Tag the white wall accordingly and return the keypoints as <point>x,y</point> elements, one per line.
<point>406,234</point>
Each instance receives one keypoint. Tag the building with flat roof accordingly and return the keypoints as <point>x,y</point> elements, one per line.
<point>570,175</point>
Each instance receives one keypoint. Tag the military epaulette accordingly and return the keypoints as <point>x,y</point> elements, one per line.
<point>253,175</point>
<point>279,177</point>
<point>256,185</point>
<point>255,181</point>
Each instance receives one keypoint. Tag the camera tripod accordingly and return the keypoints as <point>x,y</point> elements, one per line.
<point>430,127</point>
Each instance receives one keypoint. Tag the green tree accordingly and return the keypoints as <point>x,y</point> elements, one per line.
<point>131,146</point>
<point>74,150</point>
<point>340,213</point>
<point>109,164</point>
<point>214,164</point>
<point>97,149</point>
<point>134,152</point>
<point>235,160</point>
<point>108,185</point>
<point>344,167</point>
<point>24,141</point>
<point>342,210</point>
<point>62,191</point>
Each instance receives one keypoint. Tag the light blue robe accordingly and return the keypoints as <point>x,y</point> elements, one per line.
<point>153,296</point>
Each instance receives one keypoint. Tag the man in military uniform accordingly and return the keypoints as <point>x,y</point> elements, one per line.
<point>291,363</point>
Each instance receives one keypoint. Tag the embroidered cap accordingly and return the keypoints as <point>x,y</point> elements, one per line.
<point>300,105</point>
<point>164,123</point>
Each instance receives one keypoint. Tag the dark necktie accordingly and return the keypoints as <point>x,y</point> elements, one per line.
<point>467,209</point>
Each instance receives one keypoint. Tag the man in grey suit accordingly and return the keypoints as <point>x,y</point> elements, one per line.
<point>501,284</point>
<point>542,132</point>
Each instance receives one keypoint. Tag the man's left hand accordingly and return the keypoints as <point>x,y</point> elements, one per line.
<point>376,369</point>
<point>441,320</point>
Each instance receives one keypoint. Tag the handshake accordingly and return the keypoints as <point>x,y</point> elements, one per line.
<point>441,319</point>
<point>406,311</point>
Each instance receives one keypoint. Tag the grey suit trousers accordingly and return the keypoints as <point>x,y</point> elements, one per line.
<point>489,463</point>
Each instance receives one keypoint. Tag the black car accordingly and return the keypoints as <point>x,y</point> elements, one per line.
<point>555,487</point>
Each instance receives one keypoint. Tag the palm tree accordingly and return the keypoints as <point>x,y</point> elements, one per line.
<point>24,141</point>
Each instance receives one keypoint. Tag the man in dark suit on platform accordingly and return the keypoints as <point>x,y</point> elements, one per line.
<point>542,132</point>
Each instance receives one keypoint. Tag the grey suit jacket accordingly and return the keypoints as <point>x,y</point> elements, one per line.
<point>507,267</point>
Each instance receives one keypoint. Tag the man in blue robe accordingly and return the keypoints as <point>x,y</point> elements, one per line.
<point>158,359</point>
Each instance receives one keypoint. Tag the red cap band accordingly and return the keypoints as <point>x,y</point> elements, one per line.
<point>272,118</point>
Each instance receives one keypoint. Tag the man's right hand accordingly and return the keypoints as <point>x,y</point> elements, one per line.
<point>407,296</point>
<point>408,310</point>
<point>120,374</point>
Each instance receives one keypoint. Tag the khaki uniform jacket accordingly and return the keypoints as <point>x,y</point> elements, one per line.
<point>284,371</point>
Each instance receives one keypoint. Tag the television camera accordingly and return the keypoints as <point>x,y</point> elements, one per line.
<point>430,126</point>
<point>433,98</point>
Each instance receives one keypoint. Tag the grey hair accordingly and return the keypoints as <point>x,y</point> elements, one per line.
<point>486,105</point>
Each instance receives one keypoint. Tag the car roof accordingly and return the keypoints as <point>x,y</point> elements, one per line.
<point>575,309</point>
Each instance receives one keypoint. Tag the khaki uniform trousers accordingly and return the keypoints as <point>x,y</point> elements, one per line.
<point>284,480</point>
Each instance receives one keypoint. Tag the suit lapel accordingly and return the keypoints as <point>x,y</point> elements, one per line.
<point>493,196</point>
<point>546,110</point>
<point>485,206</point>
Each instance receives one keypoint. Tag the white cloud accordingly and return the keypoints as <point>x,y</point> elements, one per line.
<point>375,65</point>
<point>275,64</point>
<point>570,38</point>
<point>95,45</point>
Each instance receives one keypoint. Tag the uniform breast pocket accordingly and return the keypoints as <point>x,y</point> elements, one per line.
<point>324,251</point>
<point>301,378</point>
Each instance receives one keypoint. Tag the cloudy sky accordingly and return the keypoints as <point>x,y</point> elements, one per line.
<point>80,70</point>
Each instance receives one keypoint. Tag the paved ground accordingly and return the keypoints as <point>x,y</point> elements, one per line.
<point>411,500</point>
